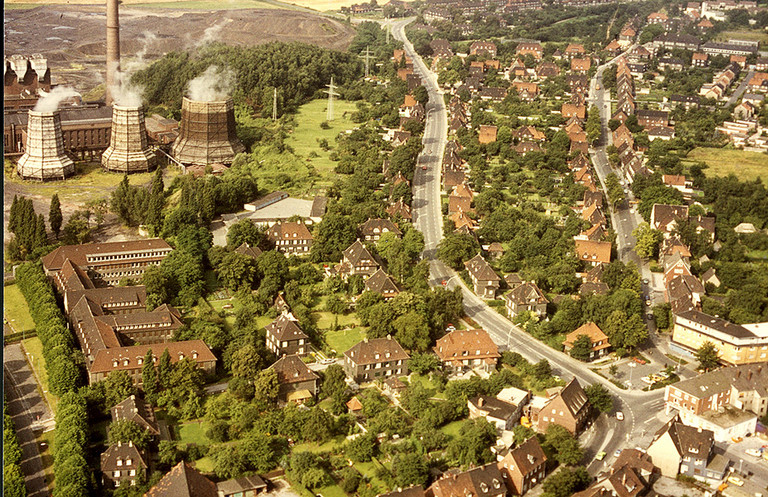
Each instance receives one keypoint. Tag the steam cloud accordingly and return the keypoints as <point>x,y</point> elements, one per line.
<point>124,92</point>
<point>214,85</point>
<point>211,34</point>
<point>49,102</point>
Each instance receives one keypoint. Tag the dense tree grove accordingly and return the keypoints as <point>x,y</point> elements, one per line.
<point>13,478</point>
<point>298,69</point>
<point>29,240</point>
<point>64,375</point>
<point>73,475</point>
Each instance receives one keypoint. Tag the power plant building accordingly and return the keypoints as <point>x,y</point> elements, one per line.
<point>207,134</point>
<point>22,78</point>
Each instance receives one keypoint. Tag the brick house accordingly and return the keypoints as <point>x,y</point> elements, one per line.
<point>372,229</point>
<point>297,382</point>
<point>568,408</point>
<point>374,359</point>
<point>598,340</point>
<point>652,118</point>
<point>484,279</point>
<point>285,337</point>
<point>121,465</point>
<point>467,348</point>
<point>290,237</point>
<point>526,297</point>
<point>524,466</point>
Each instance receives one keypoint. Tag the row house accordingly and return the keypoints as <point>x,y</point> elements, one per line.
<point>614,48</point>
<point>432,14</point>
<point>674,41</point>
<point>658,18</point>
<point>581,66</point>
<point>484,279</point>
<point>722,48</point>
<point>758,83</point>
<point>700,59</point>
<point>512,6</point>
<point>652,118</point>
<point>290,237</point>
<point>460,198</point>
<point>284,336</point>
<point>376,358</point>
<point>686,102</point>
<point>570,110</point>
<point>736,344</point>
<point>700,400</point>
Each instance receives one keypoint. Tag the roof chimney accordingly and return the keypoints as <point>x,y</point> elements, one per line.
<point>699,429</point>
<point>749,375</point>
<point>480,401</point>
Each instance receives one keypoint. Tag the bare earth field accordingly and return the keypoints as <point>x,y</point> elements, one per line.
<point>72,37</point>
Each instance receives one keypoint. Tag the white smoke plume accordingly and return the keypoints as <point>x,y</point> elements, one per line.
<point>124,92</point>
<point>211,34</point>
<point>49,102</point>
<point>214,85</point>
<point>139,61</point>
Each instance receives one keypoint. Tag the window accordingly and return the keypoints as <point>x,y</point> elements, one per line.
<point>132,473</point>
<point>116,474</point>
<point>119,462</point>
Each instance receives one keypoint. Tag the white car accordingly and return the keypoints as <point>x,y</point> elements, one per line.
<point>754,452</point>
<point>620,416</point>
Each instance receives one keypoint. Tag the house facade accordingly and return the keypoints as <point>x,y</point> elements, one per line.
<point>290,237</point>
<point>297,382</point>
<point>376,358</point>
<point>285,337</point>
<point>526,297</point>
<point>484,279</point>
<point>467,349</point>
<point>524,466</point>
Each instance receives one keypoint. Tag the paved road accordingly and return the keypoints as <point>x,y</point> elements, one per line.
<point>741,89</point>
<point>26,406</point>
<point>428,220</point>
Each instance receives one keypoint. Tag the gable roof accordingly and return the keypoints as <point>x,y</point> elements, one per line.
<point>379,226</point>
<point>289,230</point>
<point>357,254</point>
<point>476,343</point>
<point>414,491</point>
<point>124,451</point>
<point>526,293</point>
<point>574,397</point>
<point>494,407</point>
<point>291,369</point>
<point>285,327</point>
<point>246,249</point>
<point>365,352</point>
<point>591,330</point>
<point>480,269</point>
<point>183,481</point>
<point>688,440</point>
<point>382,283</point>
<point>593,251</point>
<point>525,458</point>
<point>78,254</point>
<point>135,409</point>
<point>484,481</point>
<point>103,361</point>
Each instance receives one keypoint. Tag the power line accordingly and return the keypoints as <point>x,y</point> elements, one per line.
<point>367,56</point>
<point>331,91</point>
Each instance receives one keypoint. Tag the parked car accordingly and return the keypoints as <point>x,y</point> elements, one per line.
<point>620,416</point>
<point>617,453</point>
<point>638,360</point>
<point>736,439</point>
<point>736,481</point>
<point>600,455</point>
<point>754,452</point>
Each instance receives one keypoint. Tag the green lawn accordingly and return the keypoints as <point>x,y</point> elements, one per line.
<point>759,255</point>
<point>330,491</point>
<point>204,464</point>
<point>329,446</point>
<point>16,309</point>
<point>34,348</point>
<point>744,34</point>
<point>306,135</point>
<point>193,432</point>
<point>426,383</point>
<point>343,340</point>
<point>452,429</point>
<point>721,161</point>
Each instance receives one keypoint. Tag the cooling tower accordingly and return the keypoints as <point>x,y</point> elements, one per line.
<point>128,151</point>
<point>45,158</point>
<point>207,133</point>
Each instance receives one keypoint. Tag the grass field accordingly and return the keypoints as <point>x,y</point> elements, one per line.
<point>721,161</point>
<point>331,445</point>
<point>34,347</point>
<point>194,432</point>
<point>308,132</point>
<point>343,340</point>
<point>16,309</point>
<point>744,34</point>
<point>452,429</point>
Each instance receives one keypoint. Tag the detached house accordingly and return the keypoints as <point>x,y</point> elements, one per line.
<point>526,297</point>
<point>484,279</point>
<point>121,465</point>
<point>372,229</point>
<point>568,408</point>
<point>598,340</point>
<point>297,382</point>
<point>383,284</point>
<point>135,409</point>
<point>684,450</point>
<point>356,259</point>
<point>524,466</point>
<point>467,348</point>
<point>376,358</point>
<point>290,237</point>
<point>285,337</point>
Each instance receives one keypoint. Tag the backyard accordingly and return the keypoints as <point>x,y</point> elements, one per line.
<point>723,161</point>
<point>16,310</point>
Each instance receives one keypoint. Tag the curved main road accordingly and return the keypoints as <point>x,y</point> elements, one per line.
<point>640,407</point>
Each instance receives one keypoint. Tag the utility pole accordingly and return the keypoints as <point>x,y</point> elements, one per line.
<point>367,56</point>
<point>331,91</point>
<point>274,105</point>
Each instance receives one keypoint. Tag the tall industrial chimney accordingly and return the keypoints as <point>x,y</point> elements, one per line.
<point>207,134</point>
<point>44,157</point>
<point>113,46</point>
<point>128,151</point>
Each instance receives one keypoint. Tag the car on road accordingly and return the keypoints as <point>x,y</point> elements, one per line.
<point>423,168</point>
<point>736,481</point>
<point>617,453</point>
<point>620,416</point>
<point>639,361</point>
<point>754,452</point>
<point>600,455</point>
<point>328,361</point>
<point>645,281</point>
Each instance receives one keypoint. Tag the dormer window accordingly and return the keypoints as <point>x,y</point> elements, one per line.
<point>114,363</point>
<point>128,462</point>
<point>125,362</point>
<point>140,361</point>
<point>194,355</point>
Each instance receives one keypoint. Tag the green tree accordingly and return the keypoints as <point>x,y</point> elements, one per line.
<point>473,444</point>
<point>118,386</point>
<point>149,380</point>
<point>566,447</point>
<point>362,448</point>
<point>412,331</point>
<point>334,381</point>
<point>582,348</point>
<point>265,387</point>
<point>156,203</point>
<point>13,481</point>
<point>708,356</point>
<point>244,231</point>
<point>599,397</point>
<point>614,190</point>
<point>648,241</point>
<point>594,126</point>
<point>125,430</point>
<point>423,363</point>
<point>522,433</point>
<point>456,248</point>
<point>54,215</point>
<point>237,270</point>
<point>409,469</point>
<point>165,369</point>
<point>565,482</point>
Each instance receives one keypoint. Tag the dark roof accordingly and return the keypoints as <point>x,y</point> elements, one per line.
<point>291,369</point>
<point>123,451</point>
<point>319,205</point>
<point>574,397</point>
<point>285,328</point>
<point>480,269</point>
<point>528,455</point>
<point>494,407</point>
<point>242,484</point>
<point>415,491</point>
<point>365,352</point>
<point>381,282</point>
<point>527,293</point>
<point>379,226</point>
<point>591,288</point>
<point>246,249</point>
<point>689,441</point>
<point>357,254</point>
<point>484,481</point>
<point>183,481</point>
<point>135,409</point>
<point>717,323</point>
<point>743,378</point>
